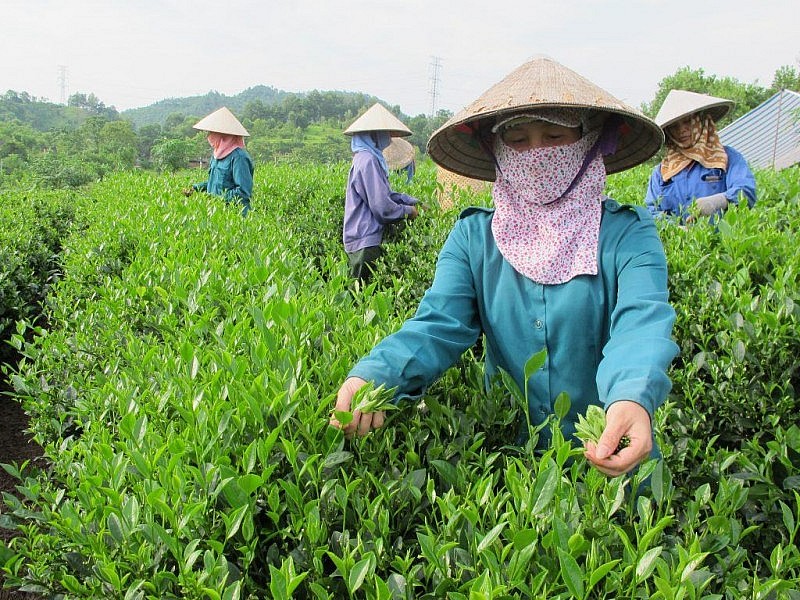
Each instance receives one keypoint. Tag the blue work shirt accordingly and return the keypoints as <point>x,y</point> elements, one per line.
<point>370,204</point>
<point>607,336</point>
<point>696,181</point>
<point>230,177</point>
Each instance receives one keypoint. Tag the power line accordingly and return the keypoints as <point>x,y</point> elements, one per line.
<point>436,64</point>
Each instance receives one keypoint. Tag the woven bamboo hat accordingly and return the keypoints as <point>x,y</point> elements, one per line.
<point>682,103</point>
<point>378,118</point>
<point>221,121</point>
<point>450,183</point>
<point>540,83</point>
<point>399,153</point>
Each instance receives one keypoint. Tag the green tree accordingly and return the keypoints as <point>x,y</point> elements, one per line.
<point>19,139</point>
<point>118,142</point>
<point>423,126</point>
<point>172,154</point>
<point>179,125</point>
<point>786,78</point>
<point>92,105</point>
<point>257,110</point>
<point>147,136</point>
<point>173,121</point>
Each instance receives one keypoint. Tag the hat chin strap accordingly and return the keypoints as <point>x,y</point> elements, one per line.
<point>486,147</point>
<point>606,144</point>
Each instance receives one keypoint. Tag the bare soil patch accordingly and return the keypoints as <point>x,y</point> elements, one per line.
<point>15,447</point>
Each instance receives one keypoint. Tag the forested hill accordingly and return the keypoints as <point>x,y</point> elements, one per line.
<point>41,114</point>
<point>260,102</point>
<point>158,112</point>
<point>71,145</point>
<point>257,102</point>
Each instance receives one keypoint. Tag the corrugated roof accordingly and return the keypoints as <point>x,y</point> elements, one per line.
<point>768,135</point>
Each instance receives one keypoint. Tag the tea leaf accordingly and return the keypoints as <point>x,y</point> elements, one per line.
<point>491,537</point>
<point>335,459</point>
<point>344,417</point>
<point>545,489</point>
<point>357,574</point>
<point>571,573</point>
<point>601,572</point>
<point>561,405</point>
<point>534,363</point>
<point>647,563</point>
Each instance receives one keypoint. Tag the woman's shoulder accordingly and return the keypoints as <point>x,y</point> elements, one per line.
<point>365,158</point>
<point>473,222</point>
<point>733,153</point>
<point>237,153</point>
<point>618,211</point>
<point>479,212</point>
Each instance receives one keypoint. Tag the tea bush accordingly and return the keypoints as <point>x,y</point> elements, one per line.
<point>183,386</point>
<point>33,224</point>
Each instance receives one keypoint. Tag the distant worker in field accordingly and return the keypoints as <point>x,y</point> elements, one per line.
<point>370,204</point>
<point>230,174</point>
<point>698,175</point>
<point>555,265</point>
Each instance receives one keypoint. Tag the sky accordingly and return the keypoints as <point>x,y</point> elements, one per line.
<point>420,55</point>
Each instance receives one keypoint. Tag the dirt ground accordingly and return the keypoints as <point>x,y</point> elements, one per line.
<point>15,447</point>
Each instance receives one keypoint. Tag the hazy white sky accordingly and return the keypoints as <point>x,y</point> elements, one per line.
<point>132,53</point>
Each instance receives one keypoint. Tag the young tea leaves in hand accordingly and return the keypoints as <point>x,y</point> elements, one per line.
<point>590,427</point>
<point>370,399</point>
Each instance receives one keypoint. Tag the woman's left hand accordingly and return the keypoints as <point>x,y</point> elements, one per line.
<point>623,418</point>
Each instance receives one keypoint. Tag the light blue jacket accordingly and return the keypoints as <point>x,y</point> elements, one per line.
<point>607,335</point>
<point>696,181</point>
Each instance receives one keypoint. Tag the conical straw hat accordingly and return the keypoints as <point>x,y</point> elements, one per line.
<point>399,153</point>
<point>450,182</point>
<point>682,103</point>
<point>221,121</point>
<point>540,83</point>
<point>378,118</point>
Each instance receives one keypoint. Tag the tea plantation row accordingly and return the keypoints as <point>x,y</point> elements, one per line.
<point>183,369</point>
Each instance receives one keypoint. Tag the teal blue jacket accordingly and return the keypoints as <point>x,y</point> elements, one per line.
<point>230,177</point>
<point>607,336</point>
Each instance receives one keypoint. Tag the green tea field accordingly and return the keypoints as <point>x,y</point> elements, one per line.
<point>179,364</point>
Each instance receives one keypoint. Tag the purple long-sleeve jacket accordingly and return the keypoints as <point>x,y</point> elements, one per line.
<point>370,204</point>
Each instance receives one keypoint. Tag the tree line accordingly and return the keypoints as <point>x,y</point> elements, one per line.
<point>67,146</point>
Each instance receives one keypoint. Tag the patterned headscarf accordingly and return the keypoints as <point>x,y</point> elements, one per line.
<point>704,148</point>
<point>547,219</point>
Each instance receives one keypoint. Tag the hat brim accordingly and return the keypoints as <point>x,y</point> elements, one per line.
<point>459,151</point>
<point>378,118</point>
<point>392,132</point>
<point>399,153</point>
<point>715,111</point>
<point>221,121</point>
<point>679,104</point>
<point>539,83</point>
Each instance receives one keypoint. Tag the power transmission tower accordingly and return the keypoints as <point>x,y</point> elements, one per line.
<point>436,64</point>
<point>62,83</point>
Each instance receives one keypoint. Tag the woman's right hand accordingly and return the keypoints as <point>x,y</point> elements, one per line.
<point>362,423</point>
